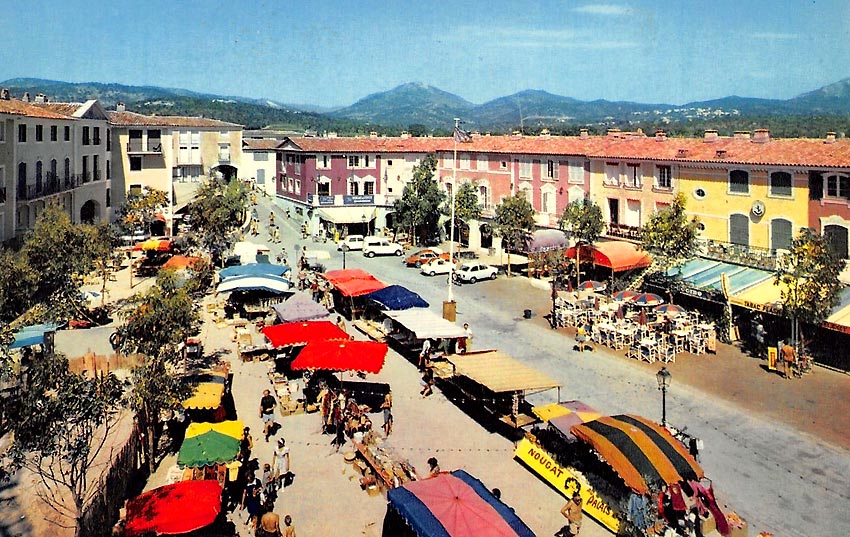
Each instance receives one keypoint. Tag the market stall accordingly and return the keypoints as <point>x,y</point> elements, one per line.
<point>450,505</point>
<point>348,286</point>
<point>173,509</point>
<point>375,323</point>
<point>253,269</point>
<point>252,295</point>
<point>412,326</point>
<point>209,387</point>
<point>496,385</point>
<point>380,465</point>
<point>299,307</point>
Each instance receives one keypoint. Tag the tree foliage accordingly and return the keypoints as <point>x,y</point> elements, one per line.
<point>61,422</point>
<point>669,235</point>
<point>808,274</point>
<point>218,210</point>
<point>467,205</point>
<point>582,221</point>
<point>419,206</point>
<point>140,209</point>
<point>514,221</point>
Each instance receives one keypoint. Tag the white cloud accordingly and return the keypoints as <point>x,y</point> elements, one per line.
<point>603,9</point>
<point>535,38</point>
<point>775,36</point>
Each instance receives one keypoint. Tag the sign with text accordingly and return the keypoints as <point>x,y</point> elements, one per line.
<point>326,200</point>
<point>566,482</point>
<point>358,200</point>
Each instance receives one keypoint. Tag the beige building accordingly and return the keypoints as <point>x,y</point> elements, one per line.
<point>52,153</point>
<point>259,157</point>
<point>173,154</point>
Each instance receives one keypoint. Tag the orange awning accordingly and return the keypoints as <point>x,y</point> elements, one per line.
<point>616,255</point>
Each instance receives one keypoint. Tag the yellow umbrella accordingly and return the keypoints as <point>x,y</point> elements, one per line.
<point>231,428</point>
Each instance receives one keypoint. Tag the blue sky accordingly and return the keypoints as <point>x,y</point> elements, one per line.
<point>334,53</point>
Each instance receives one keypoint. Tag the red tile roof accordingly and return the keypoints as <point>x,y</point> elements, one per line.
<point>67,109</point>
<point>132,119</point>
<point>16,107</point>
<point>776,152</point>
<point>260,144</point>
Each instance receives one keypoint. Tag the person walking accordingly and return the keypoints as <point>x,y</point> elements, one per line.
<point>281,459</point>
<point>387,409</point>
<point>788,359</point>
<point>267,406</point>
<point>251,500</point>
<point>289,529</point>
<point>572,512</point>
<point>467,340</point>
<point>246,444</point>
<point>340,322</point>
<point>269,525</point>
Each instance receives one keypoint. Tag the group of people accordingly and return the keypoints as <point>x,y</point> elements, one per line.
<point>341,415</point>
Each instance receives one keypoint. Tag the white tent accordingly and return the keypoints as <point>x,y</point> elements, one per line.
<point>425,324</point>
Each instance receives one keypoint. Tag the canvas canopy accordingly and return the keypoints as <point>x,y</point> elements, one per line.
<point>363,356</point>
<point>253,269</point>
<point>179,262</point>
<point>453,505</point>
<point>292,334</point>
<point>249,252</point>
<point>708,274</point>
<point>207,449</point>
<point>232,428</point>
<point>425,324</point>
<point>353,282</point>
<point>544,240</point>
<point>208,392</point>
<point>267,282</point>
<point>396,297</point>
<point>32,335</point>
<point>174,509</point>
<point>565,414</point>
<point>500,373</point>
<point>618,256</point>
<point>299,308</point>
<point>643,453</point>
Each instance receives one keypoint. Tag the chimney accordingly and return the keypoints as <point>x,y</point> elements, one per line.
<point>660,135</point>
<point>545,134</point>
<point>761,136</point>
<point>4,94</point>
<point>119,107</point>
<point>584,134</point>
<point>516,134</point>
<point>26,97</point>
<point>830,138</point>
<point>710,135</point>
<point>40,98</point>
<point>488,134</point>
<point>682,153</point>
<point>405,135</point>
<point>373,134</point>
<point>332,134</point>
<point>720,153</point>
<point>614,132</point>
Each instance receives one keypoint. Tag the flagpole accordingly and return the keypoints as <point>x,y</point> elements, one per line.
<point>452,224</point>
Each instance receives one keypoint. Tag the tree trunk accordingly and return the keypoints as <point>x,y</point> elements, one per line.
<point>78,517</point>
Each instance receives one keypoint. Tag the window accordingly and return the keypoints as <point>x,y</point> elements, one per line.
<point>354,161</point>
<point>224,152</point>
<point>739,229</point>
<point>634,177</point>
<point>67,174</point>
<point>547,204</point>
<point>108,196</point>
<point>552,169</point>
<point>39,133</point>
<point>664,177</point>
<point>838,186</point>
<point>108,140</point>
<point>353,188</point>
<point>298,186</point>
<point>323,161</point>
<point>525,169</point>
<point>97,136</point>
<point>369,188</point>
<point>503,165</point>
<point>481,162</point>
<point>2,132</point>
<point>576,172</point>
<point>54,133</point>
<point>86,136</point>
<point>836,238</point>
<point>780,234</point>
<point>484,197</point>
<point>22,133</point>
<point>2,184</point>
<point>135,164</point>
<point>67,134</point>
<point>464,161</point>
<point>39,173</point>
<point>780,184</point>
<point>389,162</point>
<point>260,156</point>
<point>739,182</point>
<point>96,167</point>
<point>54,169</point>
<point>448,161</point>
<point>108,169</point>
<point>86,169</point>
<point>612,173</point>
<point>323,188</point>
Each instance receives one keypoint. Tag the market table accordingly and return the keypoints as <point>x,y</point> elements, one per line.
<point>379,457</point>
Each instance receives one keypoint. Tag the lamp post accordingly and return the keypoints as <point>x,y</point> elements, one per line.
<point>449,305</point>
<point>663,377</point>
<point>344,249</point>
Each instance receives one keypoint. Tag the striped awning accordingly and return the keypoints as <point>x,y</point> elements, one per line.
<point>643,453</point>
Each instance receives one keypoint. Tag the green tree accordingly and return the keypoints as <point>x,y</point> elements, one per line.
<point>582,221</point>
<point>158,322</point>
<point>419,207</point>
<point>61,423</point>
<point>140,209</point>
<point>808,274</point>
<point>18,284</point>
<point>218,210</point>
<point>514,221</point>
<point>670,236</point>
<point>467,206</point>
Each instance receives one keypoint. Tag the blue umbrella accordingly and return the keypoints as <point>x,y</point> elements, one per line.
<point>254,269</point>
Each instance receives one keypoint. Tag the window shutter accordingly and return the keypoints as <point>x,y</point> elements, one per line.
<point>739,229</point>
<point>836,237</point>
<point>780,234</point>
<point>815,185</point>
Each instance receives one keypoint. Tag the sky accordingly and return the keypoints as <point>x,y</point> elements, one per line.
<point>332,53</point>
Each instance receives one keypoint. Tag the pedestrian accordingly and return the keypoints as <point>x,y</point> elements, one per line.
<point>246,444</point>
<point>271,219</point>
<point>251,500</point>
<point>424,354</point>
<point>267,479</point>
<point>467,340</point>
<point>340,322</point>
<point>387,408</point>
<point>572,512</point>
<point>788,359</point>
<point>276,235</point>
<point>267,406</point>
<point>281,464</point>
<point>269,525</point>
<point>759,335</point>
<point>427,381</point>
<point>433,467</point>
<point>314,289</point>
<point>289,529</point>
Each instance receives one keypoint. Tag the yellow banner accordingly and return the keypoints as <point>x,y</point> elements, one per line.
<point>566,482</point>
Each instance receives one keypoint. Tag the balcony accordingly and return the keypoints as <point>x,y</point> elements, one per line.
<point>623,231</point>
<point>750,256</point>
<point>96,175</point>
<point>34,189</point>
<point>224,156</point>
<point>136,147</point>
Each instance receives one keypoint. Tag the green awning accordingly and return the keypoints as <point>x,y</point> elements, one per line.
<point>207,449</point>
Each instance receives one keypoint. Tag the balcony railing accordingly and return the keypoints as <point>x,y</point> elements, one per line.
<point>751,256</point>
<point>96,175</point>
<point>33,189</point>
<point>139,147</point>
<point>624,232</point>
<point>224,156</point>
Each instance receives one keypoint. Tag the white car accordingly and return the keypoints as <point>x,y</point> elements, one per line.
<point>373,246</point>
<point>472,272</point>
<point>436,266</point>
<point>354,242</point>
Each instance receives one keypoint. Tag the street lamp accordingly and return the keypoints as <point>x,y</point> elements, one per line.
<point>663,377</point>
<point>344,249</point>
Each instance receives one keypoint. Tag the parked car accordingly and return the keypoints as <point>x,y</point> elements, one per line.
<point>373,246</point>
<point>472,272</point>
<point>354,242</point>
<point>436,266</point>
<point>425,256</point>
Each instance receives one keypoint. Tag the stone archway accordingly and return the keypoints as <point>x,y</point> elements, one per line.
<point>90,212</point>
<point>225,171</point>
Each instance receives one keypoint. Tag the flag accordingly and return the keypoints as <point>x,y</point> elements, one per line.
<point>462,136</point>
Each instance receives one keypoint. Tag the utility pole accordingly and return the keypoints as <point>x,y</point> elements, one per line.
<point>450,306</point>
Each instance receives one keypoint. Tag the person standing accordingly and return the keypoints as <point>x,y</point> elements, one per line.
<point>267,406</point>
<point>269,525</point>
<point>251,500</point>
<point>246,444</point>
<point>425,354</point>
<point>467,340</point>
<point>387,408</point>
<point>281,464</point>
<point>788,359</point>
<point>572,512</point>
<point>289,529</point>
<point>340,322</point>
<point>433,467</point>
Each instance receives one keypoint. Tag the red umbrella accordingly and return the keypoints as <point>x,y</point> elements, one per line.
<point>670,309</point>
<point>365,356</point>
<point>647,299</point>
<point>623,296</point>
<point>592,285</point>
<point>173,509</point>
<point>291,334</point>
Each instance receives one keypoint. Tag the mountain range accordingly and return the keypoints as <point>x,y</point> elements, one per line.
<point>428,108</point>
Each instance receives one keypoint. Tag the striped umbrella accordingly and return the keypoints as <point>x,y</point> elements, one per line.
<point>669,309</point>
<point>647,299</point>
<point>624,296</point>
<point>592,285</point>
